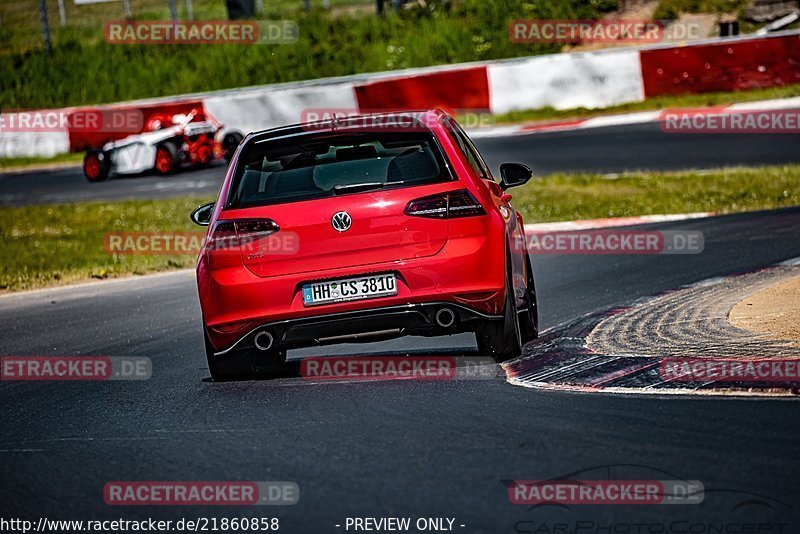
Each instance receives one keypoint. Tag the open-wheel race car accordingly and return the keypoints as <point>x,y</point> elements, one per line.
<point>168,144</point>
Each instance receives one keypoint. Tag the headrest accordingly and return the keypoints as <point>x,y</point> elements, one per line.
<point>357,152</point>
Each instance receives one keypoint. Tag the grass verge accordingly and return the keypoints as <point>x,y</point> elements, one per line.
<point>672,9</point>
<point>84,69</point>
<point>58,244</point>
<point>11,164</point>
<point>565,197</point>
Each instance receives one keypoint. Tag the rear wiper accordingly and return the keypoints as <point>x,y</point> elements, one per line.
<point>339,189</point>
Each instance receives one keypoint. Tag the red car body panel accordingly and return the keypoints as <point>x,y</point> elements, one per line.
<point>457,260</point>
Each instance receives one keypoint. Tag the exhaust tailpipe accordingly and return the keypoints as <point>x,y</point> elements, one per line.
<point>445,317</point>
<point>263,341</point>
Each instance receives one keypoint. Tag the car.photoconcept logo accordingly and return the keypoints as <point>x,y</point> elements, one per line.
<point>341,221</point>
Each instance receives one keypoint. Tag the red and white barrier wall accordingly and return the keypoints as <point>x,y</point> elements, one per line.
<point>259,108</point>
<point>722,66</point>
<point>22,144</point>
<point>561,81</point>
<point>458,87</point>
<point>566,81</point>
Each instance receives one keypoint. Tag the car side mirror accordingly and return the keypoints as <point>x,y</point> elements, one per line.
<point>202,215</point>
<point>514,174</point>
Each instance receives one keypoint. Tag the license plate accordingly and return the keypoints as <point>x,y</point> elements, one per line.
<point>363,287</point>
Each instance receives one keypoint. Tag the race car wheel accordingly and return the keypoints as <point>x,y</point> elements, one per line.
<point>502,339</point>
<point>204,155</point>
<point>95,166</point>
<point>229,144</point>
<point>168,159</point>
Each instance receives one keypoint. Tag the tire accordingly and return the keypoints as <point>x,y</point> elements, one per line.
<point>247,365</point>
<point>95,166</point>
<point>229,144</point>
<point>529,320</point>
<point>205,154</point>
<point>168,159</point>
<point>235,366</point>
<point>502,339</point>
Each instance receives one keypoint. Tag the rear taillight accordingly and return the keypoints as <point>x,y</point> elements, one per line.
<point>449,205</point>
<point>463,204</point>
<point>223,237</point>
<point>250,232</point>
<point>227,240</point>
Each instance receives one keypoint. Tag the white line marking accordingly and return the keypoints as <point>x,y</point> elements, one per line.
<point>620,120</point>
<point>640,117</point>
<point>588,224</point>
<point>97,283</point>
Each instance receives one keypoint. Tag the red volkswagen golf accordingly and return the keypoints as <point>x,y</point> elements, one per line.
<point>359,229</point>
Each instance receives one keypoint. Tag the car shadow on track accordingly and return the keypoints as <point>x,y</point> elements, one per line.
<point>453,357</point>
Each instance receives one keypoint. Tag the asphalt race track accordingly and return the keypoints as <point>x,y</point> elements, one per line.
<point>431,449</point>
<point>605,150</point>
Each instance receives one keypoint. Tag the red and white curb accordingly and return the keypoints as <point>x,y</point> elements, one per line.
<point>616,351</point>
<point>623,119</point>
<point>613,222</point>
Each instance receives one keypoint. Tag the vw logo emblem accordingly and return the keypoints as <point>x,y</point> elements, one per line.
<point>341,221</point>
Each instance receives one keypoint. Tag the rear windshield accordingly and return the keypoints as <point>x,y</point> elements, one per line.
<point>325,165</point>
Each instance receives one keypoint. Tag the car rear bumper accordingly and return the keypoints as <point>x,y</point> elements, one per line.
<point>433,318</point>
<point>468,275</point>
